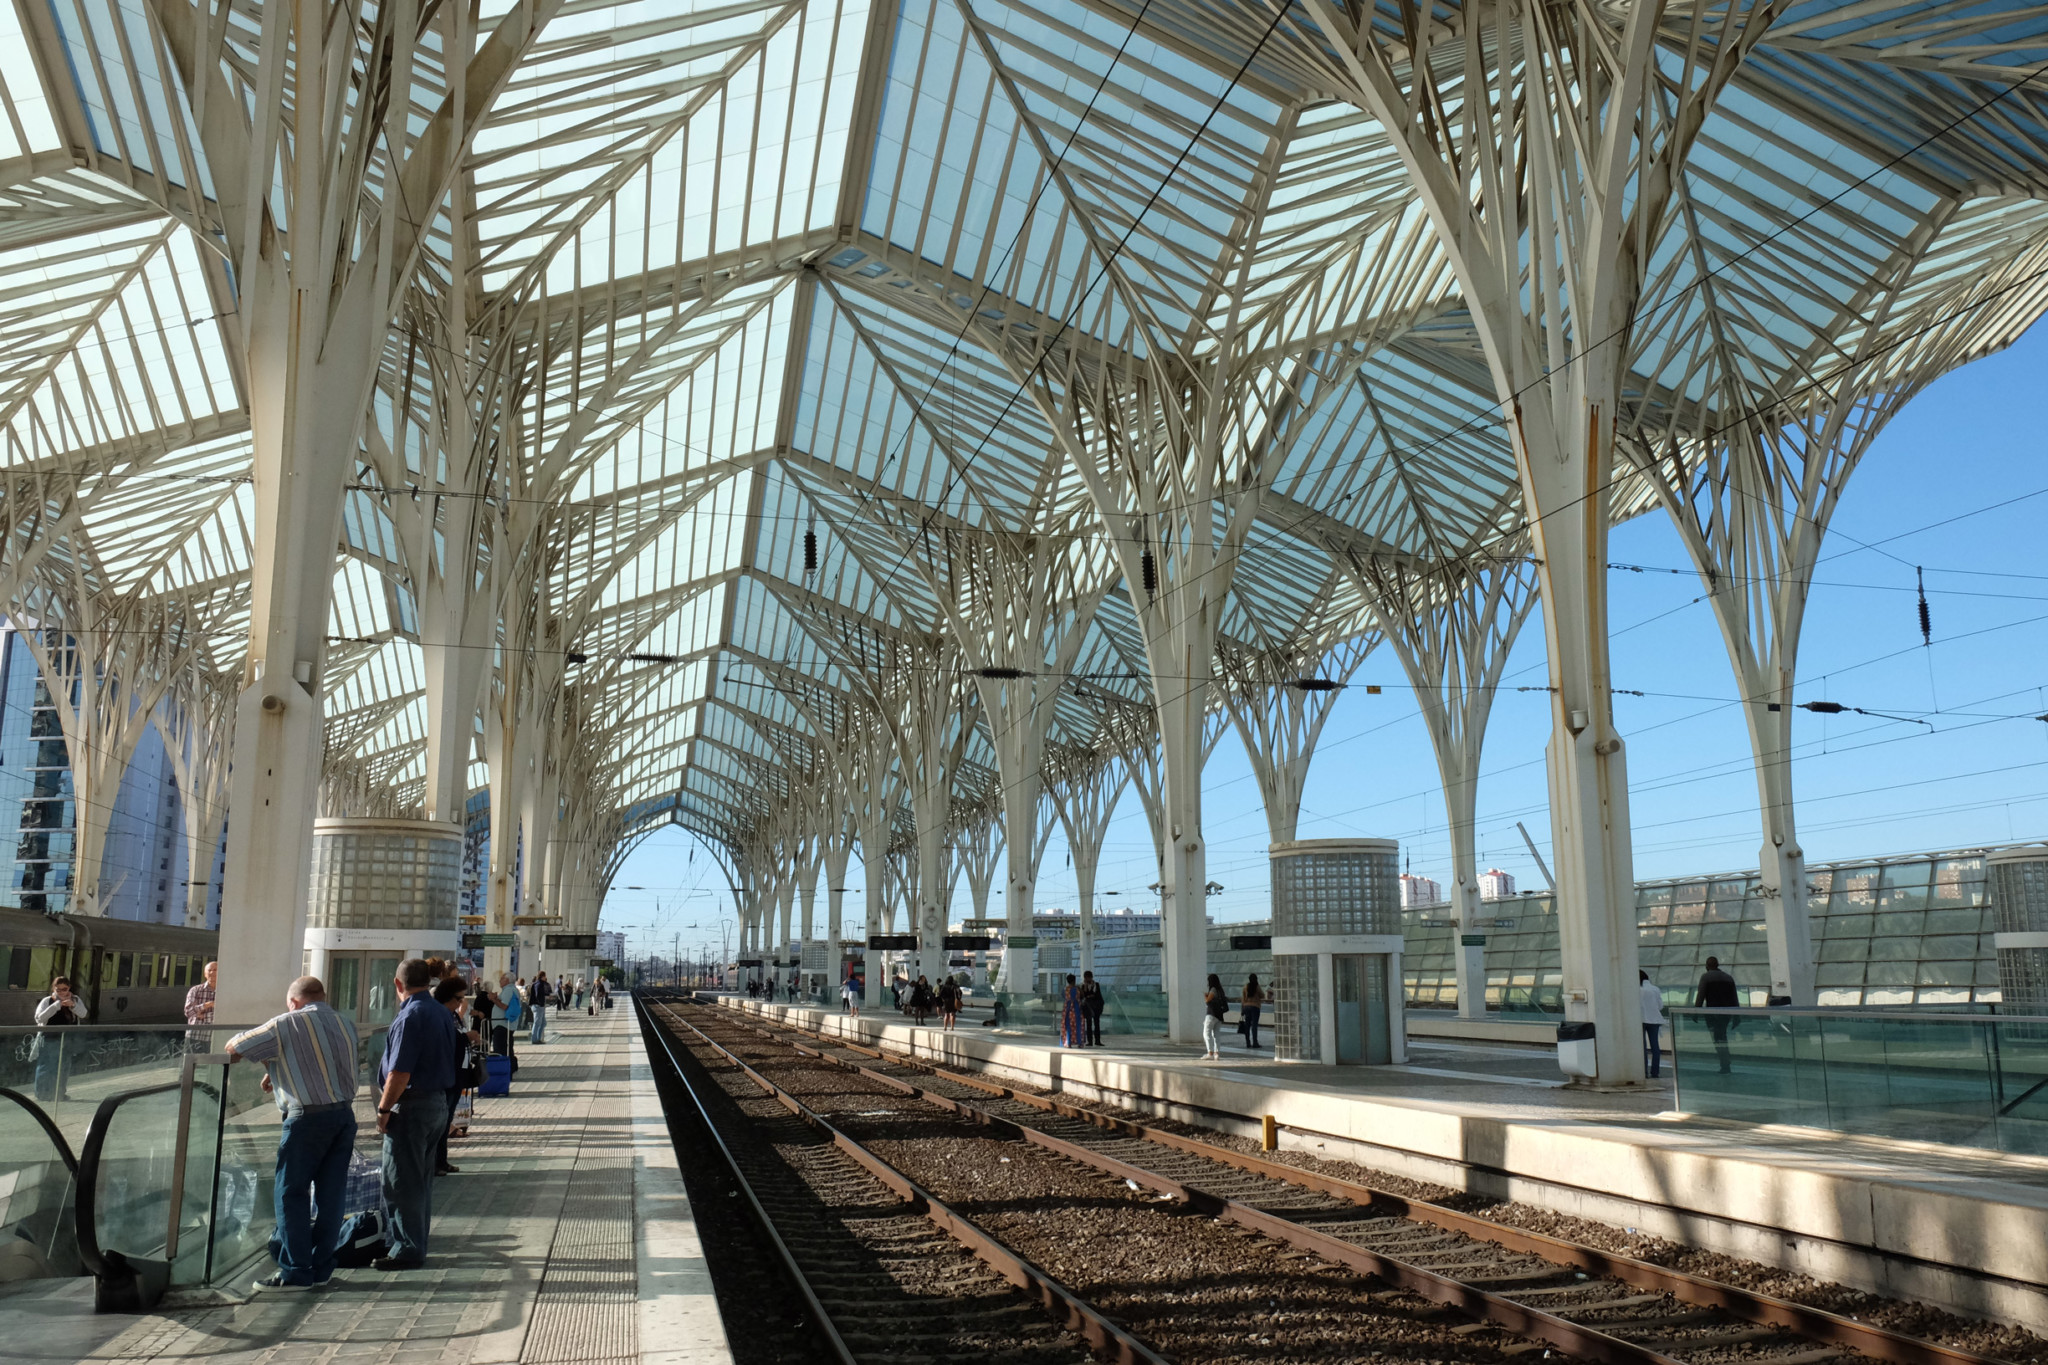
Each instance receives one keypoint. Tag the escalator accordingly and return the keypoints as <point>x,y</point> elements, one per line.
<point>170,1186</point>
<point>165,1189</point>
<point>38,1187</point>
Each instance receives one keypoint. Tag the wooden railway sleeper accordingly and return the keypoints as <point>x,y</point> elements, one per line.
<point>1829,1329</point>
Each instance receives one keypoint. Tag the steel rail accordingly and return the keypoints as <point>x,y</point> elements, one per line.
<point>1523,1320</point>
<point>1815,1324</point>
<point>1109,1339</point>
<point>812,1304</point>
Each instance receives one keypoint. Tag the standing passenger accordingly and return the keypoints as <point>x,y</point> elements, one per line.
<point>1253,1001</point>
<point>59,1009</point>
<point>309,1063</point>
<point>413,1080</point>
<point>1653,1020</point>
<point>1717,992</point>
<point>449,993</point>
<point>1070,1015</point>
<point>1215,1004</point>
<point>1091,1010</point>
<point>199,1000</point>
<point>949,1002</point>
<point>849,991</point>
<point>538,996</point>
<point>512,993</point>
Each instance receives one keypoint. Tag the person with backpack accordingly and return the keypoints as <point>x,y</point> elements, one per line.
<point>538,996</point>
<point>512,1002</point>
<point>921,1001</point>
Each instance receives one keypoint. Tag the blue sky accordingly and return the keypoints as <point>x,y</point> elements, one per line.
<point>1956,484</point>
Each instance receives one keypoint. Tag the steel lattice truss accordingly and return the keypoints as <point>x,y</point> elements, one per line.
<point>768,376</point>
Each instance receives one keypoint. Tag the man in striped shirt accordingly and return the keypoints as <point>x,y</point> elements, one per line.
<point>309,1055</point>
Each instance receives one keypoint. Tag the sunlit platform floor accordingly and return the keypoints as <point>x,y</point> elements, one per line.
<point>1960,1226</point>
<point>566,1236</point>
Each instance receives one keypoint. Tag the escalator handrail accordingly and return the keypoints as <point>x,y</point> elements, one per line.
<point>85,1187</point>
<point>56,1135</point>
<point>85,1207</point>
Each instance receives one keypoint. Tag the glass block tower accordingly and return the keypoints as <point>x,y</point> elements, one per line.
<point>1337,951</point>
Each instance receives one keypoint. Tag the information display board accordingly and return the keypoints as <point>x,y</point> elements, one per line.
<point>586,943</point>
<point>883,943</point>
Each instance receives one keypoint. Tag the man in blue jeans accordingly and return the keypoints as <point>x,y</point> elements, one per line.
<point>422,1052</point>
<point>538,997</point>
<point>309,1059</point>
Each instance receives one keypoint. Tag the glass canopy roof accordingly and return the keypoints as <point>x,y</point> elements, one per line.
<point>751,334</point>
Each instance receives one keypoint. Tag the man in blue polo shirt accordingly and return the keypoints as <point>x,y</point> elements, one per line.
<point>418,1070</point>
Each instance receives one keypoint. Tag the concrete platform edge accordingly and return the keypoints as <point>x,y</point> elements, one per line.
<point>678,1319</point>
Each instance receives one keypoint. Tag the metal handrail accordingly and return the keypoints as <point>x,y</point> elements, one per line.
<point>49,1125</point>
<point>118,1028</point>
<point>85,1206</point>
<point>1840,1012</point>
<point>121,1284</point>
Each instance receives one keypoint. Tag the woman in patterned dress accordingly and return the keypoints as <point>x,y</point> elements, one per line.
<point>1070,1015</point>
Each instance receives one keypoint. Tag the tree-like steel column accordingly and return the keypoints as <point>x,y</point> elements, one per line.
<point>1452,627</point>
<point>325,221</point>
<point>1279,701</point>
<point>1544,143</point>
<point>1084,788</point>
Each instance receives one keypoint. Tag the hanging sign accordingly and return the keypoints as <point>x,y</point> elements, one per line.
<point>967,943</point>
<point>984,925</point>
<point>1471,940</point>
<point>883,943</point>
<point>1251,943</point>
<point>492,940</point>
<point>571,942</point>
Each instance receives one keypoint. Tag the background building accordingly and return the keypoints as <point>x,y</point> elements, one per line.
<point>144,863</point>
<point>1495,884</point>
<point>1419,891</point>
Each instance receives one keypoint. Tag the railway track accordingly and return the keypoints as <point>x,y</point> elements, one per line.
<point>1573,1298</point>
<point>856,1240</point>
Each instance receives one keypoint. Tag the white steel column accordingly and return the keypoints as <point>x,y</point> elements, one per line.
<point>1549,190</point>
<point>1452,629</point>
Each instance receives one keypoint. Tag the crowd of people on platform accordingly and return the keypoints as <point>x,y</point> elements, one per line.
<point>434,1052</point>
<point>1081,1006</point>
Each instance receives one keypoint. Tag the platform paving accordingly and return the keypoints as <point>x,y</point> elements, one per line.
<point>566,1237</point>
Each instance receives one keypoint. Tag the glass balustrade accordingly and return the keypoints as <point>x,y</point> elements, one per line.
<point>37,1237</point>
<point>244,1206</point>
<point>70,1070</point>
<point>176,1150</point>
<point>1970,1080</point>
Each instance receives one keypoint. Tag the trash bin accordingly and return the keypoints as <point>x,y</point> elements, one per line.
<point>1575,1055</point>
